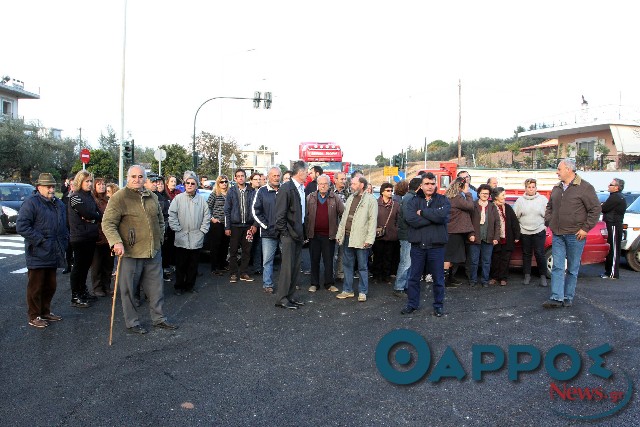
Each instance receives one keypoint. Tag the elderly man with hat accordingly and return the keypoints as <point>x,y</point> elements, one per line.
<point>189,218</point>
<point>43,224</point>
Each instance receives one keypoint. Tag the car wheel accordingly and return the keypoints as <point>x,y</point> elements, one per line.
<point>633,259</point>
<point>549,258</point>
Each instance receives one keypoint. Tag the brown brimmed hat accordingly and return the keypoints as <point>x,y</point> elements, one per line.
<point>46,179</point>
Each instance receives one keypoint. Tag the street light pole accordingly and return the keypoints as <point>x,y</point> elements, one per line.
<point>195,158</point>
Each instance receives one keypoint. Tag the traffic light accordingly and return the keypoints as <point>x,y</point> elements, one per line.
<point>267,100</point>
<point>127,151</point>
<point>396,160</point>
<point>256,99</point>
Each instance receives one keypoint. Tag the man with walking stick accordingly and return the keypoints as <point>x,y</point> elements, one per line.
<point>134,226</point>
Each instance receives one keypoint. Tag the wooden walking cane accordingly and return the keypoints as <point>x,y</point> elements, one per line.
<point>115,296</point>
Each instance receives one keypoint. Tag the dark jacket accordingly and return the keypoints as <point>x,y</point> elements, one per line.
<point>429,229</point>
<point>512,227</point>
<point>233,210</point>
<point>573,209</point>
<point>101,203</point>
<point>383,213</point>
<point>613,208</point>
<point>289,211</point>
<point>263,210</point>
<point>335,208</point>
<point>311,187</point>
<point>165,201</point>
<point>460,217</point>
<point>492,220</point>
<point>84,217</point>
<point>403,227</point>
<point>43,224</point>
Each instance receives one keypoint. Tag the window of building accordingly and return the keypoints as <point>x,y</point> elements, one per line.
<point>588,144</point>
<point>7,108</point>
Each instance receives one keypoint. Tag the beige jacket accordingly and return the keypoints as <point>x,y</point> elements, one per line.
<point>363,226</point>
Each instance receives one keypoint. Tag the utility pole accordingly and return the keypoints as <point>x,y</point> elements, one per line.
<point>124,57</point>
<point>459,120</point>
<point>425,152</point>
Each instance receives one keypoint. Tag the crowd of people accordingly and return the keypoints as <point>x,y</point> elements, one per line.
<point>410,233</point>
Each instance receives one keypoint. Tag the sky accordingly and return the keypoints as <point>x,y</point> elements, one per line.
<point>371,76</point>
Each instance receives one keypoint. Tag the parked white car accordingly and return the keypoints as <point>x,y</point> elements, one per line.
<point>630,245</point>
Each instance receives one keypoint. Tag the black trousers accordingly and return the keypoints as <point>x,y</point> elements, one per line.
<point>500,262</point>
<point>101,268</point>
<point>614,239</point>
<point>383,264</point>
<point>167,249</point>
<point>186,268</point>
<point>533,244</point>
<point>289,270</point>
<point>321,246</point>
<point>239,240</point>
<point>83,257</point>
<point>218,246</point>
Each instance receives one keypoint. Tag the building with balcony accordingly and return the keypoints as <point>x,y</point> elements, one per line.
<point>604,137</point>
<point>12,90</point>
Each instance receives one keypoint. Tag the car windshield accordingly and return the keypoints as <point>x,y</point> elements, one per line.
<point>328,166</point>
<point>12,193</point>
<point>634,207</point>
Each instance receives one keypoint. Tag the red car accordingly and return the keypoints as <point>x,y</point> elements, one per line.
<point>595,250</point>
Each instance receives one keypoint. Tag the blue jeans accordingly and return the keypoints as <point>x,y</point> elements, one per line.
<point>269,247</point>
<point>403,267</point>
<point>480,255</point>
<point>565,246</point>
<point>434,260</point>
<point>348,261</point>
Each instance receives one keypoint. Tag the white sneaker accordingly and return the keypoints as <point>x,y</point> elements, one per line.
<point>362,298</point>
<point>313,288</point>
<point>333,289</point>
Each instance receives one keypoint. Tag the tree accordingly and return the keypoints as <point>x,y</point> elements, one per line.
<point>207,147</point>
<point>101,164</point>
<point>437,145</point>
<point>110,143</point>
<point>177,162</point>
<point>26,150</point>
<point>582,158</point>
<point>603,152</point>
<point>381,160</point>
<point>514,147</point>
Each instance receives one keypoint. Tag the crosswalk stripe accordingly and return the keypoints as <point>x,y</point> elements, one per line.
<point>15,237</point>
<point>10,252</point>
<point>22,270</point>
<point>11,244</point>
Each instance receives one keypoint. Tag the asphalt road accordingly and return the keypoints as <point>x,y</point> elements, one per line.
<point>237,360</point>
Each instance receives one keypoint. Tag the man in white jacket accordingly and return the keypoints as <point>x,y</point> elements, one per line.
<point>357,232</point>
<point>530,209</point>
<point>189,218</point>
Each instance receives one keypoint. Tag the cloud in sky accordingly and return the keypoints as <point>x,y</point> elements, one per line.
<point>371,76</point>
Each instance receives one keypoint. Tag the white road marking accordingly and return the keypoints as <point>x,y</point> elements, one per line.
<point>10,252</point>
<point>22,270</point>
<point>11,244</point>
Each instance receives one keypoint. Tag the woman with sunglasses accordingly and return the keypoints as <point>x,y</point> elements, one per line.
<point>218,239</point>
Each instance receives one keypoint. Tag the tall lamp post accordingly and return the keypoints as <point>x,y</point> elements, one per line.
<point>256,103</point>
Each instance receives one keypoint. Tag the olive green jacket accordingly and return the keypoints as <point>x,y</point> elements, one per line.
<point>134,218</point>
